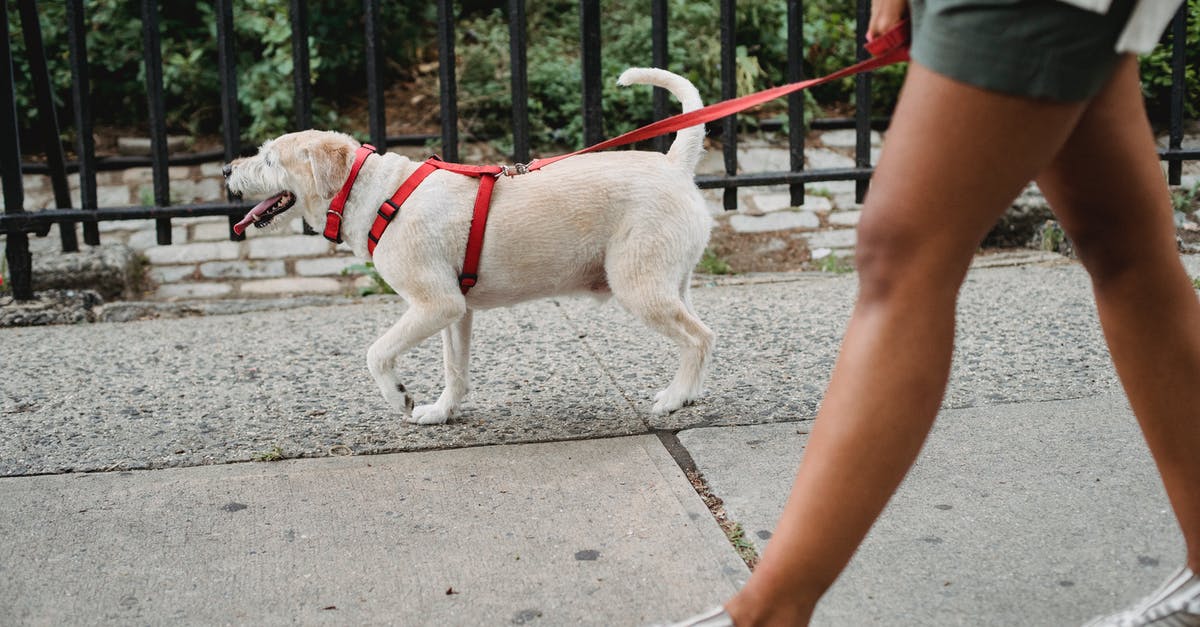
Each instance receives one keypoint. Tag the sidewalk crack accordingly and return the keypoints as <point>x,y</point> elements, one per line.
<point>733,529</point>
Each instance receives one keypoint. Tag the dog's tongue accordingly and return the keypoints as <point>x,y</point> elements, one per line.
<point>255,213</point>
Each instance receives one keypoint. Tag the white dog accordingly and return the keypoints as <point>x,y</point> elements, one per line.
<point>628,223</point>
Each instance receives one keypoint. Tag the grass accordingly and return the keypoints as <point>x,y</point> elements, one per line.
<point>273,455</point>
<point>835,264</point>
<point>1186,200</point>
<point>711,263</point>
<point>377,286</point>
<point>733,529</point>
<point>1196,282</point>
<point>819,191</point>
<point>1053,236</point>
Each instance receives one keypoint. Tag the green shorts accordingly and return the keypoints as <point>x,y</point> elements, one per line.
<point>1042,49</point>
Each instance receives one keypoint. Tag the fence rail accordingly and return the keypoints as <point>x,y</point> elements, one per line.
<point>17,224</point>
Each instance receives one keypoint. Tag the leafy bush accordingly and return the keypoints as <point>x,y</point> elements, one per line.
<point>189,50</point>
<point>337,52</point>
<point>1156,71</point>
<point>693,50</point>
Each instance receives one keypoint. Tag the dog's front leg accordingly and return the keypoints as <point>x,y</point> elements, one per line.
<point>456,346</point>
<point>418,323</point>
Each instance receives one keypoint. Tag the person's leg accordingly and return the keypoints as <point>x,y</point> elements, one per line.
<point>955,158</point>
<point>1108,190</point>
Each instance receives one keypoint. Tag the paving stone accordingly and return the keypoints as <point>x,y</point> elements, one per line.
<point>112,196</point>
<point>847,138</point>
<point>287,246</point>
<point>775,221</point>
<point>185,253</point>
<point>214,230</point>
<point>33,183</point>
<point>204,190</point>
<point>845,218</point>
<point>213,169</point>
<point>243,269</point>
<point>137,176</point>
<point>764,202</point>
<point>821,159</point>
<point>568,533</point>
<point>1008,501</point>
<point>112,226</point>
<point>142,146</point>
<point>835,238</point>
<point>307,285</point>
<point>172,274</point>
<point>148,238</point>
<point>331,266</point>
<point>194,290</point>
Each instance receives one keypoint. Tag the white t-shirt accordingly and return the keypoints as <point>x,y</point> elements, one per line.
<point>1146,23</point>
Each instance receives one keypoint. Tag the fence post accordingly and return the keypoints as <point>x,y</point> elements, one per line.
<point>862,102</point>
<point>35,51</point>
<point>659,51</point>
<point>16,248</point>
<point>447,83</point>
<point>82,99</point>
<point>152,42</point>
<point>728,92</point>
<point>226,62</point>
<point>1178,87</point>
<point>377,115</point>
<point>301,71</point>
<point>589,40</point>
<point>795,74</point>
<point>517,44</point>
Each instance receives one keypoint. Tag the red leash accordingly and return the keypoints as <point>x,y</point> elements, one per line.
<point>889,48</point>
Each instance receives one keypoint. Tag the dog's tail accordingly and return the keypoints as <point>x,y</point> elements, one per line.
<point>689,143</point>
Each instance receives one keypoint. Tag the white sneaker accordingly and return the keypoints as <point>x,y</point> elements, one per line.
<point>716,617</point>
<point>1175,604</point>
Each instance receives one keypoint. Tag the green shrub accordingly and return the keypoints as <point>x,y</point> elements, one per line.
<point>693,50</point>
<point>1156,72</point>
<point>189,50</point>
<point>337,52</point>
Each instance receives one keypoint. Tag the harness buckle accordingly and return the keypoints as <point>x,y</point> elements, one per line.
<point>513,170</point>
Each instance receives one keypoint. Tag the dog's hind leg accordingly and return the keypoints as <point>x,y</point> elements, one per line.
<point>456,346</point>
<point>667,312</point>
<point>418,323</point>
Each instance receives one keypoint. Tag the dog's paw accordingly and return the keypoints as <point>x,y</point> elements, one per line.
<point>669,400</point>
<point>429,415</point>
<point>667,403</point>
<point>399,398</point>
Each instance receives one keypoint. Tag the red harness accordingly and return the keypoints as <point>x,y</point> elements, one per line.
<point>889,48</point>
<point>487,175</point>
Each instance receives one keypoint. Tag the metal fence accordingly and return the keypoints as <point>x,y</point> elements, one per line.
<point>18,224</point>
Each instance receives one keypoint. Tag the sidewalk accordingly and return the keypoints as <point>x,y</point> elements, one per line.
<point>554,498</point>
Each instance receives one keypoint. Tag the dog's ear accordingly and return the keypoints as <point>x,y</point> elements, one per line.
<point>330,162</point>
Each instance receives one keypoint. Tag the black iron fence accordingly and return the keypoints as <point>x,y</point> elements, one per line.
<point>17,224</point>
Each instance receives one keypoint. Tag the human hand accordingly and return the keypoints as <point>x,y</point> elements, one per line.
<point>884,15</point>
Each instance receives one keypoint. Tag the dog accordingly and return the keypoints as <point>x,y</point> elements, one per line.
<point>629,224</point>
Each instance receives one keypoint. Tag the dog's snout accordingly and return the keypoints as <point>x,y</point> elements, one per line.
<point>227,169</point>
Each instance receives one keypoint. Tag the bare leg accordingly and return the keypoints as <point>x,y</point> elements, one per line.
<point>956,157</point>
<point>1107,188</point>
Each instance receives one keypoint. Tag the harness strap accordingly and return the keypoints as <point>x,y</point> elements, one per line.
<point>483,201</point>
<point>333,217</point>
<point>391,206</point>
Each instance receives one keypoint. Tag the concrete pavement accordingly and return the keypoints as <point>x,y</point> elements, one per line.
<point>551,500</point>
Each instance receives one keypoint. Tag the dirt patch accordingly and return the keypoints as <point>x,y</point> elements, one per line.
<point>774,251</point>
